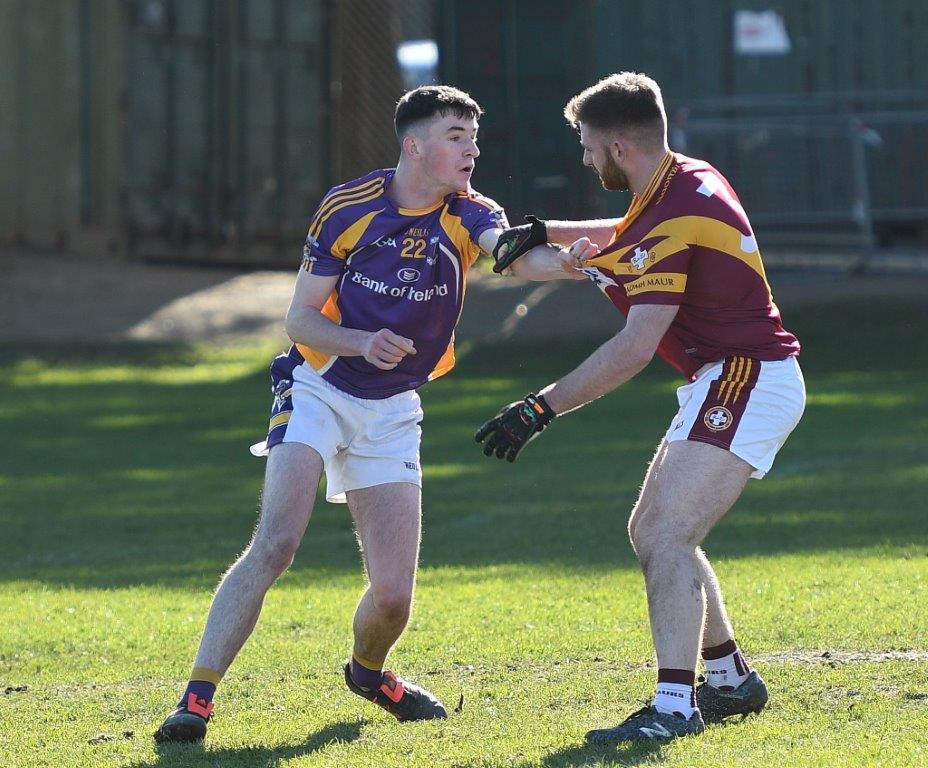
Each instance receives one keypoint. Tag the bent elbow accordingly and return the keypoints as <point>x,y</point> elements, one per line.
<point>642,356</point>
<point>295,325</point>
<point>290,326</point>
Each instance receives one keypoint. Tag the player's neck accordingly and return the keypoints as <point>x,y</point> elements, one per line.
<point>639,178</point>
<point>408,190</point>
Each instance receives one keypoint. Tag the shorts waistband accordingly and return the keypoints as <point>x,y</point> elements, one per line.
<point>397,402</point>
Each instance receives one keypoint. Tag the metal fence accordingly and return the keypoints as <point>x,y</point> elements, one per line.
<point>821,172</point>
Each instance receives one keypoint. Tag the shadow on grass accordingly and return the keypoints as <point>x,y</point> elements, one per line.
<point>605,755</point>
<point>196,755</point>
<point>134,469</point>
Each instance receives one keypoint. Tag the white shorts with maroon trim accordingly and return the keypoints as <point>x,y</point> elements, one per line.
<point>362,442</point>
<point>746,406</point>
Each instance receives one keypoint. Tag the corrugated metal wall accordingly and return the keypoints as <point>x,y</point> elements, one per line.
<point>39,149</point>
<point>192,129</point>
<point>227,125</point>
<point>210,128</point>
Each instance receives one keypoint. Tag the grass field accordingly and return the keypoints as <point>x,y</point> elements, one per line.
<point>126,487</point>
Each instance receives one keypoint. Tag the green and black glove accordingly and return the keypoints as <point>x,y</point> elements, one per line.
<point>519,241</point>
<point>516,425</point>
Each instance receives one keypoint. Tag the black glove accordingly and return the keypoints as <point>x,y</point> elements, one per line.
<point>519,241</point>
<point>515,426</point>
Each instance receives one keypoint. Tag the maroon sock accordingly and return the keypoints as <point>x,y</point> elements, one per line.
<point>726,666</point>
<point>677,677</point>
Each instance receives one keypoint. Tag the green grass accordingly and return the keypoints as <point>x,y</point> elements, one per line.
<point>126,487</point>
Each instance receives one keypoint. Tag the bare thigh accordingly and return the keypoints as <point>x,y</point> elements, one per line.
<point>689,491</point>
<point>388,521</point>
<point>290,483</point>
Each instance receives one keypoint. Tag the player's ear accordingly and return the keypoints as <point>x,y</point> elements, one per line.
<point>618,148</point>
<point>410,146</point>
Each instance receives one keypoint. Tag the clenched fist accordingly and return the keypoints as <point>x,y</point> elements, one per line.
<point>386,349</point>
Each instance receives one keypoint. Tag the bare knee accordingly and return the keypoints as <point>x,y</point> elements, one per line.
<point>273,554</point>
<point>652,537</point>
<point>393,601</point>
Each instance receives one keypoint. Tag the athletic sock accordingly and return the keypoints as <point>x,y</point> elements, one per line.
<point>368,677</point>
<point>676,694</point>
<point>202,685</point>
<point>726,668</point>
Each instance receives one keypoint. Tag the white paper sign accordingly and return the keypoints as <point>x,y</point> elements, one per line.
<point>761,33</point>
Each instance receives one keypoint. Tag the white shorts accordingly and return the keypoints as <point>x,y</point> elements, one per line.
<point>362,442</point>
<point>746,406</point>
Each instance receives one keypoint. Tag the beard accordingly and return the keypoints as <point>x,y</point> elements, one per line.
<point>612,177</point>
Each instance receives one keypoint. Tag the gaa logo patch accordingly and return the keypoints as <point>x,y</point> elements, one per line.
<point>718,418</point>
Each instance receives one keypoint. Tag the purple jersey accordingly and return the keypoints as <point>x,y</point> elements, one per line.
<point>400,268</point>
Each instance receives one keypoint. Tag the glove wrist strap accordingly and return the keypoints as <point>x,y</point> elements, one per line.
<point>541,408</point>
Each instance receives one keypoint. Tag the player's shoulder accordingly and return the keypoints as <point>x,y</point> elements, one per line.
<point>472,200</point>
<point>699,188</point>
<point>694,171</point>
<point>363,185</point>
<point>347,202</point>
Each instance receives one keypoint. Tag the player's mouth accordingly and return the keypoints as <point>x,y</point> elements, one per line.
<point>468,169</point>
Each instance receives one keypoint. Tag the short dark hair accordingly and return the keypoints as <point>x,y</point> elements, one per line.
<point>629,101</point>
<point>431,100</point>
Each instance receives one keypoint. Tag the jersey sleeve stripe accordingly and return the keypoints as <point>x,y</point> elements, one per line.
<point>335,200</point>
<point>346,191</point>
<point>316,227</point>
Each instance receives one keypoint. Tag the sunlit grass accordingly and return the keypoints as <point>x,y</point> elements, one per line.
<point>126,487</point>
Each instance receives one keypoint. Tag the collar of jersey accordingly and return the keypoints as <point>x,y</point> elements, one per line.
<point>639,203</point>
<point>408,211</point>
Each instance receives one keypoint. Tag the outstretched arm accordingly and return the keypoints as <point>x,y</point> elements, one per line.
<point>599,231</point>
<point>544,262</point>
<point>615,362</point>
<point>510,246</point>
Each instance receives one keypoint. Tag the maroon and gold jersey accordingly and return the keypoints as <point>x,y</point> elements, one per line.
<point>686,241</point>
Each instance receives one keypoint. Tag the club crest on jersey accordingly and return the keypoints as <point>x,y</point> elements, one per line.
<point>640,258</point>
<point>408,274</point>
<point>718,418</point>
